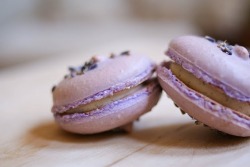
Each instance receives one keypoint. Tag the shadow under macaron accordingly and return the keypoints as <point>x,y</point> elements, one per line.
<point>188,136</point>
<point>52,132</point>
<point>185,136</point>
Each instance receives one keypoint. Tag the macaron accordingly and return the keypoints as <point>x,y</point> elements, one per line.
<point>106,93</point>
<point>209,80</point>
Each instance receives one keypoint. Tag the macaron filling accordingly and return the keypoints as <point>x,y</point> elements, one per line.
<point>231,91</point>
<point>129,84</point>
<point>104,101</point>
<point>209,90</point>
<point>200,107</point>
<point>147,88</point>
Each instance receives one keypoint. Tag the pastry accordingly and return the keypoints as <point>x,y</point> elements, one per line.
<point>210,81</point>
<point>105,93</point>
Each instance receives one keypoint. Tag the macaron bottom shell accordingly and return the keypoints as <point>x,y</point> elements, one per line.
<point>203,108</point>
<point>112,115</point>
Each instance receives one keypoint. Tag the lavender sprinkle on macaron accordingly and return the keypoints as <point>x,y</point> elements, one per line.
<point>125,53</point>
<point>53,88</point>
<point>210,39</point>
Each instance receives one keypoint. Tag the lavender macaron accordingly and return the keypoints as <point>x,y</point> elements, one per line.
<point>106,93</point>
<point>209,80</point>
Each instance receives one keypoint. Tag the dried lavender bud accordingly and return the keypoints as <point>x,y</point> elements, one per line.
<point>92,61</point>
<point>86,64</point>
<point>95,59</point>
<point>125,53</point>
<point>230,47</point>
<point>112,55</point>
<point>53,88</point>
<point>71,69</point>
<point>83,68</point>
<point>90,65</point>
<point>93,66</point>
<point>224,47</point>
<point>210,39</point>
<point>229,53</point>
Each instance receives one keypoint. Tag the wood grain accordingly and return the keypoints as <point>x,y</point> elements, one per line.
<point>163,137</point>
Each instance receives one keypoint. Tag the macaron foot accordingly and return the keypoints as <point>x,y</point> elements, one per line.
<point>198,123</point>
<point>204,125</point>
<point>182,112</point>
<point>176,105</point>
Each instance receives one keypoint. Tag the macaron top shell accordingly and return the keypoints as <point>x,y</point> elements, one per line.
<point>203,57</point>
<point>109,72</point>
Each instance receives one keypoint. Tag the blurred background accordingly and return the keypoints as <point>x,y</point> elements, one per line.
<point>34,30</point>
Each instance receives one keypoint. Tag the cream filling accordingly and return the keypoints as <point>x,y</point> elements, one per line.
<point>102,102</point>
<point>209,90</point>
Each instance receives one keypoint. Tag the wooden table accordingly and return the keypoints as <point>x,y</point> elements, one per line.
<point>163,137</point>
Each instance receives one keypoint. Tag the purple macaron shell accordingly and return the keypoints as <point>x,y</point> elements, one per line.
<point>201,107</point>
<point>114,114</point>
<point>110,91</point>
<point>199,73</point>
